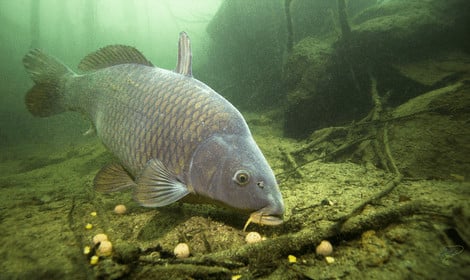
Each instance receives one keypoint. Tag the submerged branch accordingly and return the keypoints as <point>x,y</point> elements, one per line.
<point>290,30</point>
<point>343,20</point>
<point>307,238</point>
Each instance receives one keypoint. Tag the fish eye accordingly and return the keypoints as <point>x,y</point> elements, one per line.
<point>241,177</point>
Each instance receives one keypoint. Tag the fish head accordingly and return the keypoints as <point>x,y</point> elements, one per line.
<point>231,170</point>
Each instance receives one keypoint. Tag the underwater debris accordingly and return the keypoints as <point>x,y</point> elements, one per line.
<point>449,252</point>
<point>457,177</point>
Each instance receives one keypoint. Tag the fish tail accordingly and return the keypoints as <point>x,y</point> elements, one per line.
<point>45,98</point>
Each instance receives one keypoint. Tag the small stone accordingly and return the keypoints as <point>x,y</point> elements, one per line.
<point>327,202</point>
<point>125,252</point>
<point>376,251</point>
<point>45,199</point>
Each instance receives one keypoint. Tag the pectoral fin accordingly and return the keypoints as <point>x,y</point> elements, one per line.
<point>111,178</point>
<point>90,131</point>
<point>157,186</point>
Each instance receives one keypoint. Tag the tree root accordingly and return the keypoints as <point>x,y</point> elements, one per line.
<point>290,29</point>
<point>307,238</point>
<point>368,134</point>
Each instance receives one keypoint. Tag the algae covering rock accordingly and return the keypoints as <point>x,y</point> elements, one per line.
<point>321,90</point>
<point>426,137</point>
<point>249,46</point>
<point>328,80</point>
<point>417,102</point>
<point>430,135</point>
<point>246,49</point>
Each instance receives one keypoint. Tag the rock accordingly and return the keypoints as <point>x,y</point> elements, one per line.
<point>376,251</point>
<point>329,80</point>
<point>427,139</point>
<point>125,252</point>
<point>107,269</point>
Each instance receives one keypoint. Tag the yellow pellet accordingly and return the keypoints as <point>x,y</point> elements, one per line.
<point>94,260</point>
<point>86,250</point>
<point>292,259</point>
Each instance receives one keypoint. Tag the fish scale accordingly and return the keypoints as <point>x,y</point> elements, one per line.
<point>173,136</point>
<point>173,104</point>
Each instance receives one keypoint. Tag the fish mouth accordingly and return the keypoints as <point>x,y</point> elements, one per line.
<point>263,218</point>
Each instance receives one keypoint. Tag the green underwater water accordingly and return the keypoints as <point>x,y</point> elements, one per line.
<point>386,185</point>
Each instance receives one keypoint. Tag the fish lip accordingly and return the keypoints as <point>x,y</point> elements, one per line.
<point>263,217</point>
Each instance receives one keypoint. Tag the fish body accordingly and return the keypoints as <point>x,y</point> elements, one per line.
<point>174,136</point>
<point>170,114</point>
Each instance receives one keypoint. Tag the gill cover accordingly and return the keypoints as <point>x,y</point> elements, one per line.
<point>231,170</point>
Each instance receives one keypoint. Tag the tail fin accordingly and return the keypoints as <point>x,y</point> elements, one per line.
<point>44,98</point>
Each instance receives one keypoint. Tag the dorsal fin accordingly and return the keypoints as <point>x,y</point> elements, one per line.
<point>112,55</point>
<point>184,55</point>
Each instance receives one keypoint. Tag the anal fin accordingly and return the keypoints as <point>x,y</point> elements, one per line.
<point>111,178</point>
<point>157,186</point>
